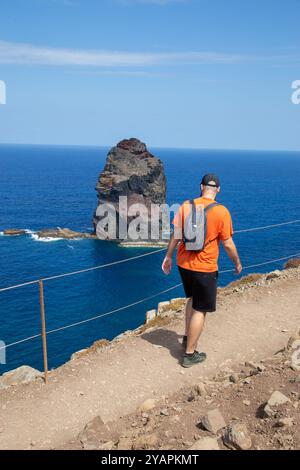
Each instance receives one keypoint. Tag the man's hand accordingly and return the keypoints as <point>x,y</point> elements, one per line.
<point>167,265</point>
<point>238,268</point>
<point>167,262</point>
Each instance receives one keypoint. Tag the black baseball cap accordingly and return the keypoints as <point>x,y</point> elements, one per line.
<point>211,180</point>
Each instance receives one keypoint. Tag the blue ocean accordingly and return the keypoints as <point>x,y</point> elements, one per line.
<point>50,186</point>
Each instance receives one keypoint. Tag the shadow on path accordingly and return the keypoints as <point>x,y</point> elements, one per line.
<point>167,339</point>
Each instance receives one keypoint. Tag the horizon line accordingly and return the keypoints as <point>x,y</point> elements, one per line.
<point>108,146</point>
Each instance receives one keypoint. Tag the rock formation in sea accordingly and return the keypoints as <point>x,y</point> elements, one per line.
<point>131,171</point>
<point>14,232</point>
<point>63,233</point>
<point>50,233</point>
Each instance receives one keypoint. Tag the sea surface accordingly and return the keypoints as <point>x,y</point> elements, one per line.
<point>50,186</point>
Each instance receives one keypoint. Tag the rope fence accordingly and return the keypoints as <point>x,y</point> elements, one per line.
<point>44,333</point>
<point>131,258</point>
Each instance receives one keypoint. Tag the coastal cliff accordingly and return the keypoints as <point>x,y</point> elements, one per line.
<point>131,171</point>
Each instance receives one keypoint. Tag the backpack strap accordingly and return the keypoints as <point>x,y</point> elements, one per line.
<point>194,212</point>
<point>211,206</point>
<point>206,210</point>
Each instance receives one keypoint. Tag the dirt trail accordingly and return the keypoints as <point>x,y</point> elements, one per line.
<point>115,380</point>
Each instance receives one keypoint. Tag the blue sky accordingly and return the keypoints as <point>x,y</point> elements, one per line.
<point>175,73</point>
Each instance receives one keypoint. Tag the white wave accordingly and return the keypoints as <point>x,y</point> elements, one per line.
<point>36,238</point>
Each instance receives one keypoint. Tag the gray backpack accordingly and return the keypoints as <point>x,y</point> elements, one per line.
<point>195,226</point>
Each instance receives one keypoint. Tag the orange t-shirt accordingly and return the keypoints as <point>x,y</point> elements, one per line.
<point>219,227</point>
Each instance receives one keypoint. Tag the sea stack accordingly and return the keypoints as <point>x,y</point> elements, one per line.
<point>131,171</point>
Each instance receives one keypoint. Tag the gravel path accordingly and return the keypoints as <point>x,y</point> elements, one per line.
<point>115,380</point>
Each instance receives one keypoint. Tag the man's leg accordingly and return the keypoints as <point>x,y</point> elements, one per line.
<point>188,314</point>
<point>196,325</point>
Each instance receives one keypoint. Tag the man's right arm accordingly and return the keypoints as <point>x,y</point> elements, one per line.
<point>230,248</point>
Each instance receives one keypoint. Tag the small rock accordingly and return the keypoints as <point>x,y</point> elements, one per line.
<point>191,396</point>
<point>187,443</point>
<point>256,366</point>
<point>247,402</point>
<point>164,412</point>
<point>94,433</point>
<point>150,315</point>
<point>90,446</point>
<point>294,338</point>
<point>21,375</point>
<point>238,437</point>
<point>110,445</point>
<point>277,398</point>
<point>273,275</point>
<point>147,405</point>
<point>200,389</point>
<point>234,378</point>
<point>162,306</point>
<point>268,412</point>
<point>213,421</point>
<point>206,443</point>
<point>285,422</point>
<point>149,441</point>
<point>125,444</point>
<point>296,344</point>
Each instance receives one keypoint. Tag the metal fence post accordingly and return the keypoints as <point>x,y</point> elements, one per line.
<point>44,337</point>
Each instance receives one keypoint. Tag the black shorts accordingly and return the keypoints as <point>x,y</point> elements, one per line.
<point>202,287</point>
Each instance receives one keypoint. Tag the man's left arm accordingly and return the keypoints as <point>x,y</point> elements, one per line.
<point>228,243</point>
<point>168,261</point>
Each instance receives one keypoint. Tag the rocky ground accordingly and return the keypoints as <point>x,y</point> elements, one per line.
<point>254,407</point>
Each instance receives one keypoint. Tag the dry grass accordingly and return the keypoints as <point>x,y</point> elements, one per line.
<point>101,343</point>
<point>174,306</point>
<point>250,279</point>
<point>156,322</point>
<point>292,263</point>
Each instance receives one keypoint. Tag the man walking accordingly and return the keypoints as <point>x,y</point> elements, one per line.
<point>199,269</point>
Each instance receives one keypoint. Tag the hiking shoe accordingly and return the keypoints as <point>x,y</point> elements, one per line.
<point>184,342</point>
<point>196,358</point>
